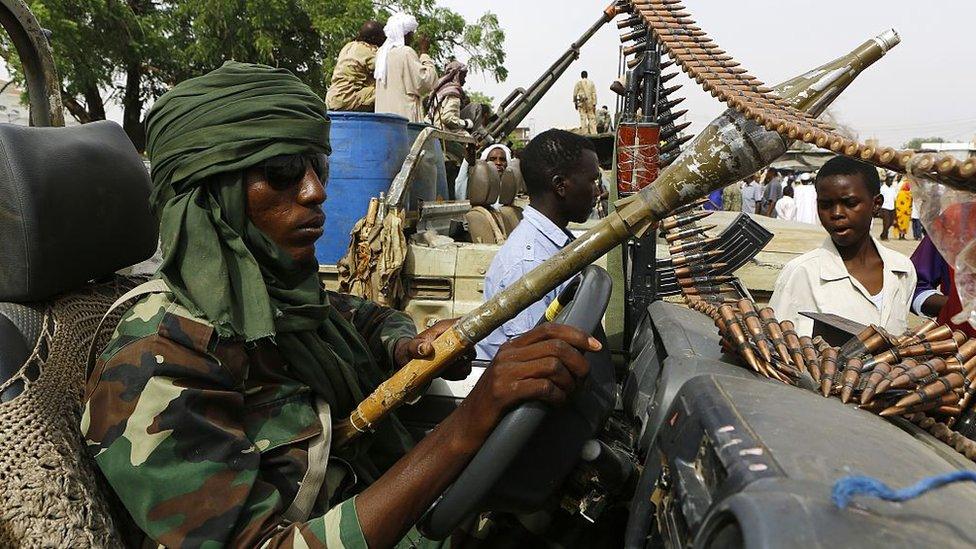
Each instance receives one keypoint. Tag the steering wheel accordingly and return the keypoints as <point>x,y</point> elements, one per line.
<point>508,473</point>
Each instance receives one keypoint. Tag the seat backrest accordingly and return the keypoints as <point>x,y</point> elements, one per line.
<point>74,207</point>
<point>483,188</point>
<point>515,166</point>
<point>509,214</point>
<point>483,184</point>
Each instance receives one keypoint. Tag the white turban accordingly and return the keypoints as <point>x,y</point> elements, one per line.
<point>398,26</point>
<point>506,150</point>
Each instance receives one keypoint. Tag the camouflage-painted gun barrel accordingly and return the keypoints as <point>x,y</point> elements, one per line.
<point>727,150</point>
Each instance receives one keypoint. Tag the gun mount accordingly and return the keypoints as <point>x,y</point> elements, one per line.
<point>521,101</point>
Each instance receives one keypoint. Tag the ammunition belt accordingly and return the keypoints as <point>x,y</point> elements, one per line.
<point>719,74</point>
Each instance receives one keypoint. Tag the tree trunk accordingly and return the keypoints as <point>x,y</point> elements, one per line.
<point>76,109</point>
<point>94,102</point>
<point>132,106</point>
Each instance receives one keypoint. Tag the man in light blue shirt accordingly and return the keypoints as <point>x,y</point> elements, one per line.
<point>562,174</point>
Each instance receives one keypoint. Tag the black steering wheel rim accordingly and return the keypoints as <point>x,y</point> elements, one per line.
<point>584,311</point>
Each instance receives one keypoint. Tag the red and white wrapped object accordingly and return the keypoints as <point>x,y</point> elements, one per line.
<point>637,156</point>
<point>949,217</point>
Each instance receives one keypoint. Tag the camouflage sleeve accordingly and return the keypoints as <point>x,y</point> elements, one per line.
<point>169,429</point>
<point>380,326</point>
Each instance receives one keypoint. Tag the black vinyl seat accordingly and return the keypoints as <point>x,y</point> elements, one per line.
<point>74,207</point>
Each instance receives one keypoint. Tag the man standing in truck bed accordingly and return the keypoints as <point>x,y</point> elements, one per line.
<point>584,97</point>
<point>353,86</point>
<point>403,78</point>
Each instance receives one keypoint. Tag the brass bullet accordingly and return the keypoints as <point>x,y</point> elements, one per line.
<point>933,367</point>
<point>677,221</point>
<point>707,290</point>
<point>880,371</point>
<point>811,357</point>
<point>695,244</point>
<point>896,371</point>
<point>684,259</point>
<point>871,340</point>
<point>939,333</point>
<point>945,400</point>
<point>738,336</point>
<point>952,411</point>
<point>965,353</point>
<point>923,329</point>
<point>698,269</point>
<point>828,360</point>
<point>941,386</point>
<point>775,334</point>
<point>754,325</point>
<point>852,373</point>
<point>688,233</point>
<point>705,280</point>
<point>793,343</point>
<point>688,207</point>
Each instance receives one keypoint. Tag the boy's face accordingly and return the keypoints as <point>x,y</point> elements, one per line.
<point>846,208</point>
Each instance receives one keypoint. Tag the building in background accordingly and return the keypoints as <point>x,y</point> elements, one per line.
<point>962,150</point>
<point>522,134</point>
<point>13,111</point>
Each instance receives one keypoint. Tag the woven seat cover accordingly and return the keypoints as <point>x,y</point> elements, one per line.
<point>53,494</point>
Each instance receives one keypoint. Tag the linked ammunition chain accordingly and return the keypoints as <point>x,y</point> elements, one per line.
<point>927,375</point>
<point>724,78</point>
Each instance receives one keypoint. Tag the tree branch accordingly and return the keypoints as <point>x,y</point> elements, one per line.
<point>76,109</point>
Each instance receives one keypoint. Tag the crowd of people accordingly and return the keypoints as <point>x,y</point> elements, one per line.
<point>792,196</point>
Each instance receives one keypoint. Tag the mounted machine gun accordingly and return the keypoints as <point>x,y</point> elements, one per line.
<point>521,101</point>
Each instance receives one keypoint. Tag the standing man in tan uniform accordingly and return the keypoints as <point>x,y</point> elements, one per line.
<point>403,78</point>
<point>584,97</point>
<point>353,86</point>
<point>448,99</point>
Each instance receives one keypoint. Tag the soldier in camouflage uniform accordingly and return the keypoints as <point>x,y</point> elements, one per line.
<point>210,410</point>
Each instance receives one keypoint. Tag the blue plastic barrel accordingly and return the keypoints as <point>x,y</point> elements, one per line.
<point>367,152</point>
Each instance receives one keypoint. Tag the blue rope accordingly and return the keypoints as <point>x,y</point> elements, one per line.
<point>848,487</point>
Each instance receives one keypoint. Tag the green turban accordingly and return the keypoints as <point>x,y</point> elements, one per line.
<point>202,137</point>
<point>228,120</point>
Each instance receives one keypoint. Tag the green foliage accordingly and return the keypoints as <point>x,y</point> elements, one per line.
<point>131,51</point>
<point>916,143</point>
<point>515,141</point>
<point>482,98</point>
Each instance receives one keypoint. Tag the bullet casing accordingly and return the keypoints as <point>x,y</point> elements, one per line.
<point>693,245</point>
<point>698,269</point>
<point>687,233</point>
<point>677,221</point>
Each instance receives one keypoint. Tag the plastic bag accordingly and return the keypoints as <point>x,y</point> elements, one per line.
<point>949,217</point>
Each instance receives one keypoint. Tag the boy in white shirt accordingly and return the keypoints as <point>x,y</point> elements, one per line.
<point>851,274</point>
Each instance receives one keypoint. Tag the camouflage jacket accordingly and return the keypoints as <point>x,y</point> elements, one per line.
<point>206,440</point>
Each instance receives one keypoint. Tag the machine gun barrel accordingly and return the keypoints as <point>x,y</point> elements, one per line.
<point>729,149</point>
<point>520,102</point>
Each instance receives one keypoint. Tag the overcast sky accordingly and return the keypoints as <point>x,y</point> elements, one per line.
<point>923,87</point>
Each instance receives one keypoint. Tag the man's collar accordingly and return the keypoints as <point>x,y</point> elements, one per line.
<point>834,268</point>
<point>544,225</point>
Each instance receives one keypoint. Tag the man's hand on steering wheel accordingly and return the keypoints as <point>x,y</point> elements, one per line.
<point>544,364</point>
<point>422,347</point>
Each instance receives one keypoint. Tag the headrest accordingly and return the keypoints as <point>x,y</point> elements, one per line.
<point>483,184</point>
<point>74,206</point>
<point>516,166</point>
<point>511,185</point>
